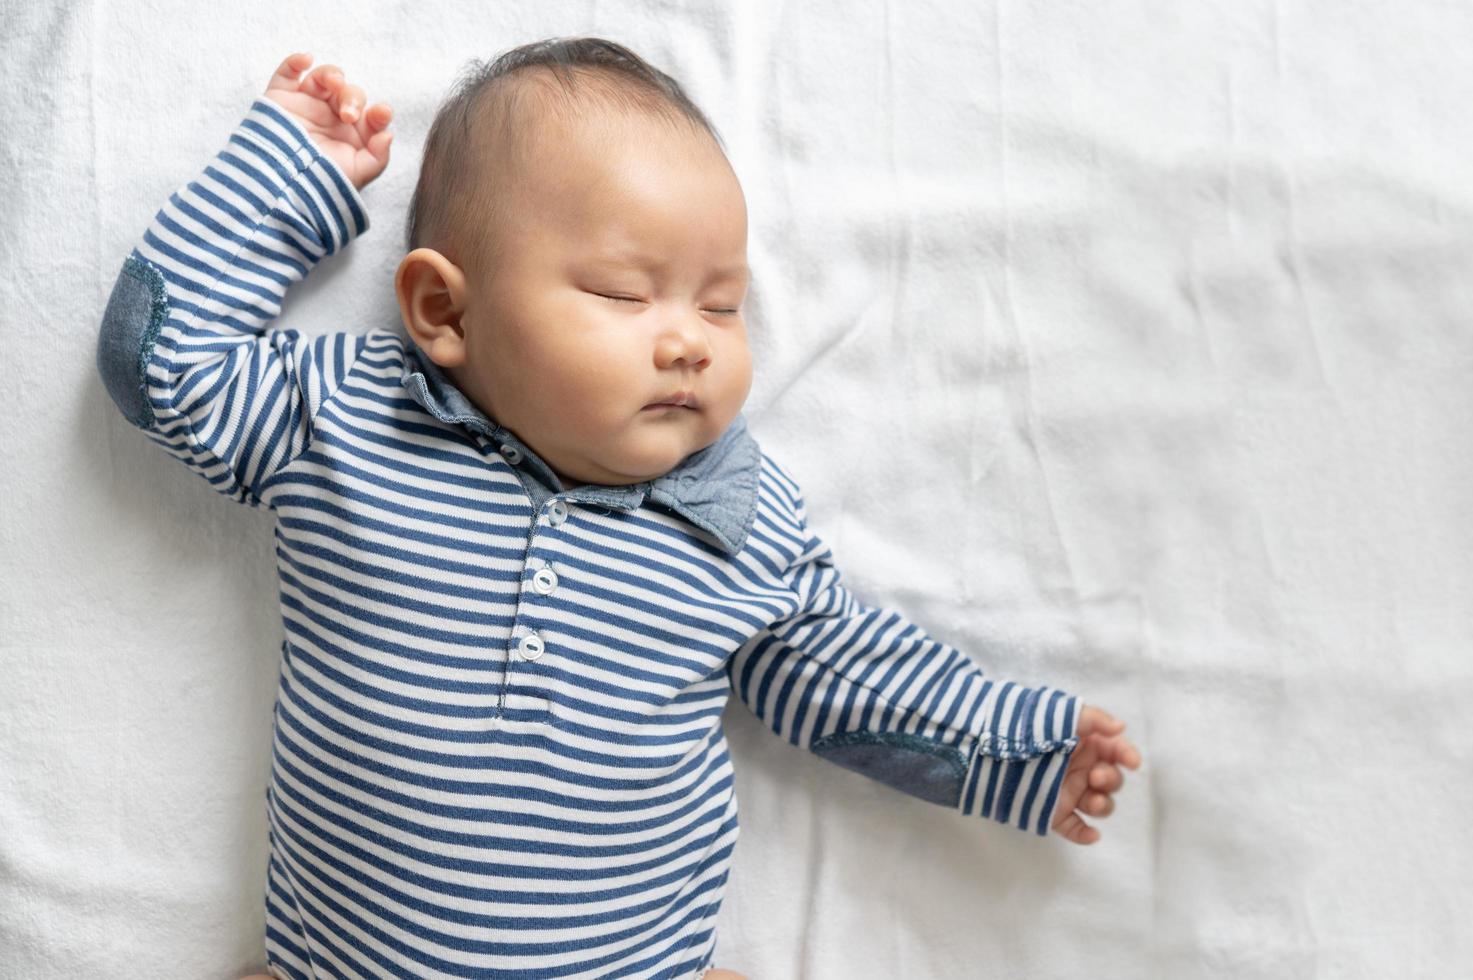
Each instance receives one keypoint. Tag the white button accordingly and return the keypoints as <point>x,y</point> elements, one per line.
<point>558,512</point>
<point>544,581</point>
<point>512,453</point>
<point>531,647</point>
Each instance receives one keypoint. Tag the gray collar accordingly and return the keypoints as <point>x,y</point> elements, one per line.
<point>714,488</point>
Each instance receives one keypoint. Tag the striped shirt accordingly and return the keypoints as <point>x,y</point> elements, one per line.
<point>497,745</point>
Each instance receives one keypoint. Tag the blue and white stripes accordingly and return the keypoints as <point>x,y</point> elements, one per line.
<point>835,665</point>
<point>229,399</point>
<point>497,748</point>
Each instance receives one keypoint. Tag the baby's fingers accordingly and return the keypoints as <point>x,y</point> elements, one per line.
<point>1075,829</point>
<point>1094,720</point>
<point>289,71</point>
<point>1105,777</point>
<point>325,82</point>
<point>1097,804</point>
<point>376,117</point>
<point>374,120</point>
<point>349,103</point>
<point>1121,750</point>
<point>373,132</point>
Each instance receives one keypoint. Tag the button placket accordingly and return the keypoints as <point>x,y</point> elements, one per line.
<point>544,581</point>
<point>530,647</point>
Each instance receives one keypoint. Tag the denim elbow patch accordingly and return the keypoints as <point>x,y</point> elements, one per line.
<point>909,763</point>
<point>130,324</point>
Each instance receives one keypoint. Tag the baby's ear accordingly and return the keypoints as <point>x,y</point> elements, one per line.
<point>431,292</point>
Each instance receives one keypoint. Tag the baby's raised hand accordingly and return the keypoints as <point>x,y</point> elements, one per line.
<point>1094,774</point>
<point>332,111</point>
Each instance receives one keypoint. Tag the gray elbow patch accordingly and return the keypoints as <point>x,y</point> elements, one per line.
<point>130,324</point>
<point>909,763</point>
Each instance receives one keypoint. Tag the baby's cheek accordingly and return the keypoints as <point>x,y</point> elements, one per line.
<point>739,364</point>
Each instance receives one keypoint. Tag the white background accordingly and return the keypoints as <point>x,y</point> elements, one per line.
<point>1126,346</point>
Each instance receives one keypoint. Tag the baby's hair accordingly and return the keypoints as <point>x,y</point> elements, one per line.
<point>456,202</point>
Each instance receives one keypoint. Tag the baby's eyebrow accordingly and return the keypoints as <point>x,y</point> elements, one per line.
<point>739,270</point>
<point>731,272</point>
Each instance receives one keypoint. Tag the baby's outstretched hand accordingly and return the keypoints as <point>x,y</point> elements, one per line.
<point>1093,774</point>
<point>333,112</point>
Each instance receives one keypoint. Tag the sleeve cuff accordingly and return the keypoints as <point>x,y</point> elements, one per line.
<point>1021,756</point>
<point>318,190</point>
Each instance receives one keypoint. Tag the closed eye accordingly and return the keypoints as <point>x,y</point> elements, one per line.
<point>632,299</point>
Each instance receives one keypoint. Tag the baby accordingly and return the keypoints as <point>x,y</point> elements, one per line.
<point>527,552</point>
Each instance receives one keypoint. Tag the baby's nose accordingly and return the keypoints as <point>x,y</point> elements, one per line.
<point>686,340</point>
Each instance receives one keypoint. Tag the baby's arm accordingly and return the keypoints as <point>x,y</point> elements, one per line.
<point>869,690</point>
<point>184,348</point>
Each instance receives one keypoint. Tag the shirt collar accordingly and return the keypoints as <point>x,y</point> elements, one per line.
<point>714,488</point>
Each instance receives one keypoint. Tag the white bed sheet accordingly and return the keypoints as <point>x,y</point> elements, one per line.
<point>1125,346</point>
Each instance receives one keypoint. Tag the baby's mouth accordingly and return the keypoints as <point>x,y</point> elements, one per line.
<point>681,399</point>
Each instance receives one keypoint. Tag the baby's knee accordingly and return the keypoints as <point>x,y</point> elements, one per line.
<point>723,975</point>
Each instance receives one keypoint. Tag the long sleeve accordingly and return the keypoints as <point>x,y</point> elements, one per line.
<point>184,349</point>
<point>869,690</point>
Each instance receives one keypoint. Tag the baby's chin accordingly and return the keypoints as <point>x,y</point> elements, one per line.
<point>651,455</point>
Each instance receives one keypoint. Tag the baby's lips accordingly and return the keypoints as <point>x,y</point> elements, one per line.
<point>684,398</point>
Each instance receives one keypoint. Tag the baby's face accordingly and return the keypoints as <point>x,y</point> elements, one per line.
<point>619,284</point>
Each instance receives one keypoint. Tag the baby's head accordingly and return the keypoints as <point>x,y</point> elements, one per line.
<point>577,251</point>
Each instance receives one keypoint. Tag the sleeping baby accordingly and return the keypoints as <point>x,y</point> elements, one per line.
<point>527,551</point>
